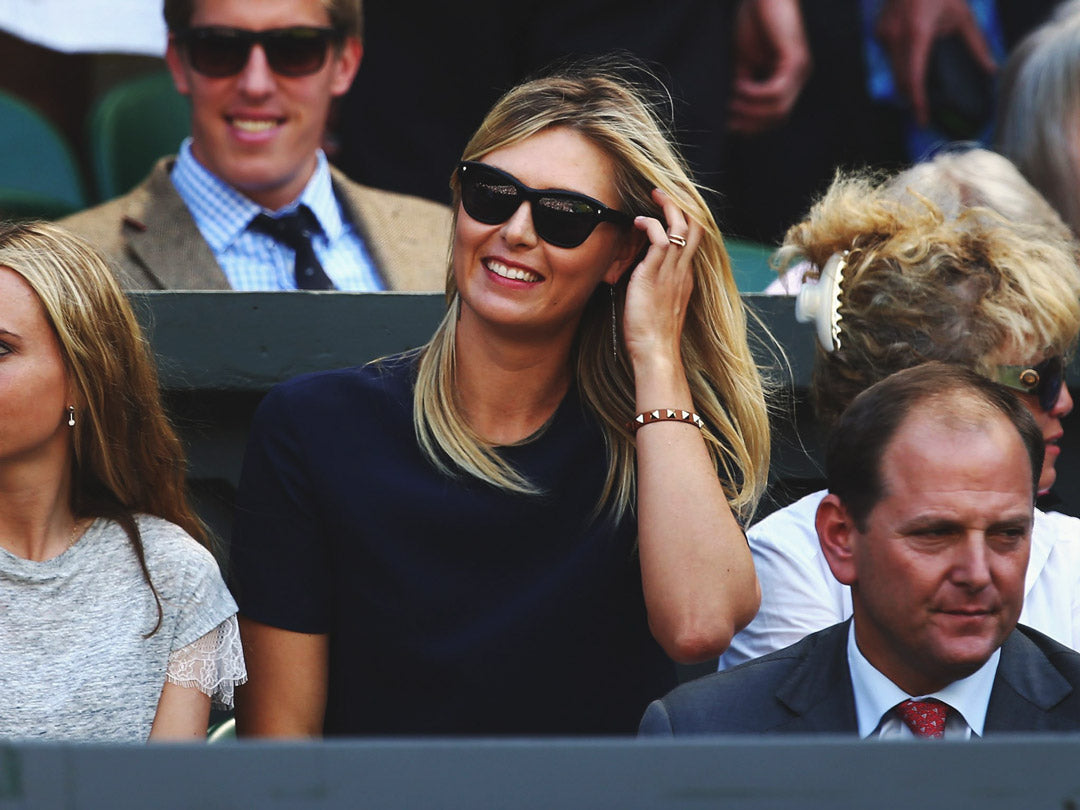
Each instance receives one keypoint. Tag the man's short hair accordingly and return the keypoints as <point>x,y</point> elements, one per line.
<point>346,15</point>
<point>865,429</point>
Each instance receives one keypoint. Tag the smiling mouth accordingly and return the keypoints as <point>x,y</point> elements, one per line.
<point>512,273</point>
<point>254,124</point>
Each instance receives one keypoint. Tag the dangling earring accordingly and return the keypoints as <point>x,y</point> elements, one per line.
<point>614,324</point>
<point>71,416</point>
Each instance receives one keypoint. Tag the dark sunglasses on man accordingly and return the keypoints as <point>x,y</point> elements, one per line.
<point>218,52</point>
<point>561,218</point>
<point>1043,380</point>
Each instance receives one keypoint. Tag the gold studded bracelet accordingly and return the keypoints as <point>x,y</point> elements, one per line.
<point>664,415</point>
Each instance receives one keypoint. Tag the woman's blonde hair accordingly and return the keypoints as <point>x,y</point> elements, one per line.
<point>127,458</point>
<point>960,178</point>
<point>966,288</point>
<point>616,114</point>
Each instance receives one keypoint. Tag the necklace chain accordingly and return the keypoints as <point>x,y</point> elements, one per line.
<point>74,535</point>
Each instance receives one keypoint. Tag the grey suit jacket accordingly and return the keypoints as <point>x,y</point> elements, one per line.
<point>806,688</point>
<point>153,243</point>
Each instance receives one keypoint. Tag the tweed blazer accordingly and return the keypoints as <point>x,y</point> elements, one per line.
<point>153,243</point>
<point>806,688</point>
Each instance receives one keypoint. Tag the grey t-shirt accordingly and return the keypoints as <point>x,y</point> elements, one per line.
<point>74,662</point>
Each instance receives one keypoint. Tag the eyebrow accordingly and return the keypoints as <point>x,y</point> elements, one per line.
<point>926,523</point>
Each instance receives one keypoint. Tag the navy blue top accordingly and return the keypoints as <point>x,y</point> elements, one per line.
<point>452,607</point>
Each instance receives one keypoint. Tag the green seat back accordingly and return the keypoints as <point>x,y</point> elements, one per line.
<point>131,126</point>
<point>750,264</point>
<point>38,173</point>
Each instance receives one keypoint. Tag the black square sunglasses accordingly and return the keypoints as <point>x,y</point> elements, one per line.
<point>1044,380</point>
<point>217,51</point>
<point>561,218</point>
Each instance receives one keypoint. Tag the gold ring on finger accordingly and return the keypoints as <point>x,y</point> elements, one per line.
<point>675,239</point>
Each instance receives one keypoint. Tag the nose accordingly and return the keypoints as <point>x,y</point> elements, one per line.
<point>519,229</point>
<point>1063,405</point>
<point>256,79</point>
<point>971,565</point>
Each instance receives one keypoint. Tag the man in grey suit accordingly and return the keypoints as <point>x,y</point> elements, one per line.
<point>932,478</point>
<point>250,201</point>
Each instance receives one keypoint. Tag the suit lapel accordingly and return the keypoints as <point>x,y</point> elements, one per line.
<point>367,221</point>
<point>818,691</point>
<point>397,232</point>
<point>164,238</point>
<point>1026,688</point>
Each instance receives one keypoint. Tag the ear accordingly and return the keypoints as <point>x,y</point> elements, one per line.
<point>627,254</point>
<point>836,533</point>
<point>175,61</point>
<point>345,66</point>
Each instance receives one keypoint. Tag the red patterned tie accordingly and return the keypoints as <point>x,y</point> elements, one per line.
<point>926,718</point>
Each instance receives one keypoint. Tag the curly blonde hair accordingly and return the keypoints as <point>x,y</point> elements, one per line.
<point>599,102</point>
<point>970,289</point>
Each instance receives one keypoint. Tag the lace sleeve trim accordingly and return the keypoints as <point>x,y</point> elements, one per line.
<point>213,664</point>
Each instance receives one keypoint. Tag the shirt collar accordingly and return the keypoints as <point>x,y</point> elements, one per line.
<point>222,213</point>
<point>875,694</point>
<point>318,195</point>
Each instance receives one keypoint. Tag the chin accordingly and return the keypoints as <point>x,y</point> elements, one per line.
<point>966,646</point>
<point>1046,483</point>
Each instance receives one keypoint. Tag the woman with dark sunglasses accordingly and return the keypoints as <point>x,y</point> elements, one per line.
<point>517,528</point>
<point>957,260</point>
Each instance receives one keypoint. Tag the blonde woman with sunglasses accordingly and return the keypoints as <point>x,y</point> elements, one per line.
<point>520,527</point>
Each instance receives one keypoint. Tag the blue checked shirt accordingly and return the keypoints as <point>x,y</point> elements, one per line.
<point>255,261</point>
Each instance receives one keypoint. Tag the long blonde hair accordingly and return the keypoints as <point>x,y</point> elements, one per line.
<point>127,458</point>
<point>615,114</point>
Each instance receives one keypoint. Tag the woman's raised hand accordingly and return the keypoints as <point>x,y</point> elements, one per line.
<point>660,285</point>
<point>696,569</point>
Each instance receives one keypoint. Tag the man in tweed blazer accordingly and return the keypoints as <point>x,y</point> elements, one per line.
<point>153,242</point>
<point>257,124</point>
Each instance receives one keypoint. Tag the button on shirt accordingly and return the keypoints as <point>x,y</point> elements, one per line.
<point>256,261</point>
<point>876,695</point>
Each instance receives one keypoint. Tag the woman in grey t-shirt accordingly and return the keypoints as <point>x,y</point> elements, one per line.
<point>116,622</point>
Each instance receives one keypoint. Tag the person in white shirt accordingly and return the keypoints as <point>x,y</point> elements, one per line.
<point>958,260</point>
<point>932,477</point>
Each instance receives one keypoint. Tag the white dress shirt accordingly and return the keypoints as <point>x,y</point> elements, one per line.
<point>876,696</point>
<point>252,260</point>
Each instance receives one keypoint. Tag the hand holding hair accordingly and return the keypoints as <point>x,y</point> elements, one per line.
<point>660,285</point>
